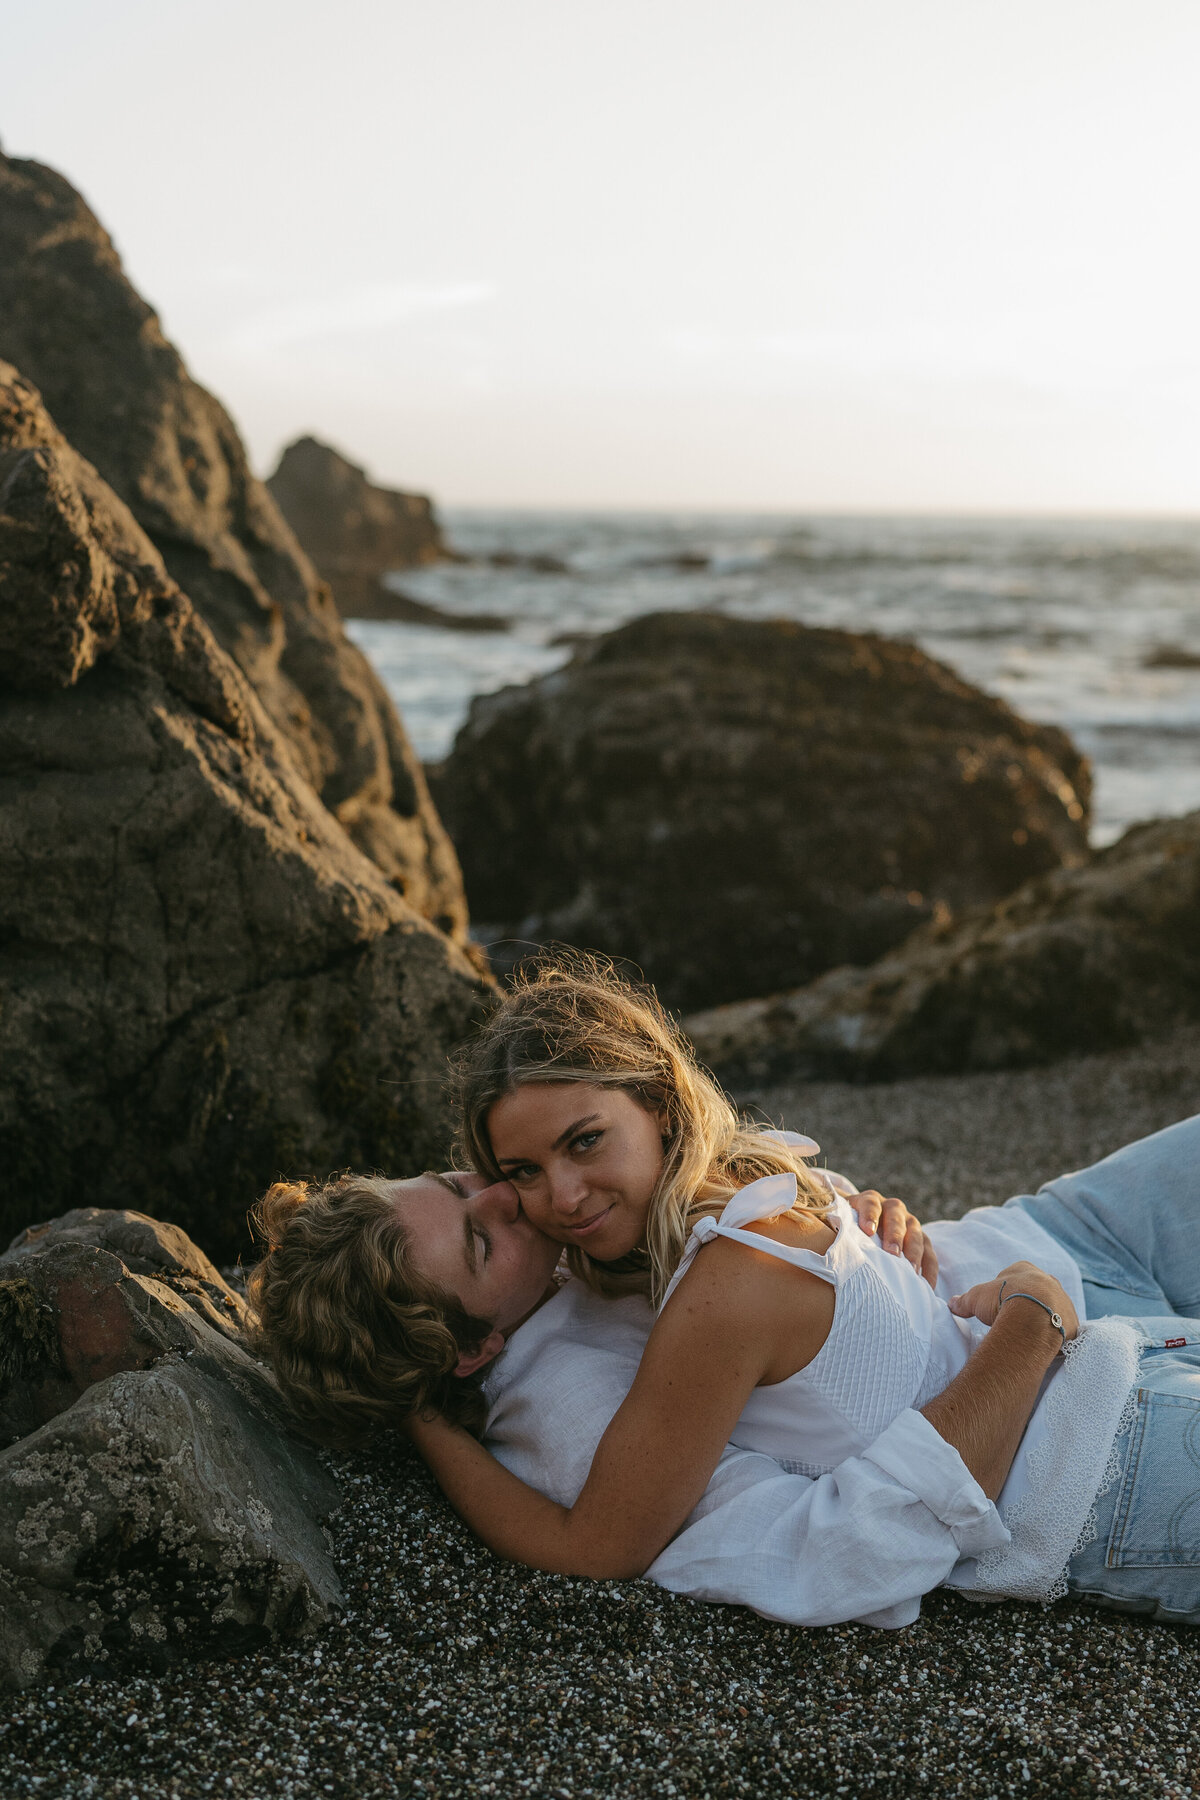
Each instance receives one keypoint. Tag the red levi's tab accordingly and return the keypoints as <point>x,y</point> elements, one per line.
<point>1174,1343</point>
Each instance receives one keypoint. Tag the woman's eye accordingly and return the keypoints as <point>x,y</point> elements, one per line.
<point>525,1173</point>
<point>587,1140</point>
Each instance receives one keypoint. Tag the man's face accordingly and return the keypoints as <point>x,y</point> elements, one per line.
<point>469,1236</point>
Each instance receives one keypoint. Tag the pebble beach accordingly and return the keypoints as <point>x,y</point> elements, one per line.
<point>454,1674</point>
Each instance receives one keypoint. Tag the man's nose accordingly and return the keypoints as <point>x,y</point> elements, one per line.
<point>499,1200</point>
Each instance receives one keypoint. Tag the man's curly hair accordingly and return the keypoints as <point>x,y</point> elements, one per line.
<point>356,1337</point>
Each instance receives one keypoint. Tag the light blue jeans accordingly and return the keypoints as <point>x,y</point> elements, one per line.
<point>1132,1223</point>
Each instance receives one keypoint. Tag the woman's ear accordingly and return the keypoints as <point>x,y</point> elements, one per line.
<point>472,1360</point>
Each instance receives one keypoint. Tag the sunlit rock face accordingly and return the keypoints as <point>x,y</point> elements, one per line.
<point>353,531</point>
<point>205,981</point>
<point>154,1501</point>
<point>120,393</point>
<point>736,806</point>
<point>1079,960</point>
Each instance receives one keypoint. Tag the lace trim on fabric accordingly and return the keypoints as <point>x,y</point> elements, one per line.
<point>1086,1413</point>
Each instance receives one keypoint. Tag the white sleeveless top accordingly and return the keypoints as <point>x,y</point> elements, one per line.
<point>893,1343</point>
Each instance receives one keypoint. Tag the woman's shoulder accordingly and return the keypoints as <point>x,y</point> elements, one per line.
<point>734,1298</point>
<point>725,1277</point>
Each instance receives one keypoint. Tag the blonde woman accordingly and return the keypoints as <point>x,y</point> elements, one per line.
<point>778,1329</point>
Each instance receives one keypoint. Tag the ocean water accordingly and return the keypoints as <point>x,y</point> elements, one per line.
<point>1092,625</point>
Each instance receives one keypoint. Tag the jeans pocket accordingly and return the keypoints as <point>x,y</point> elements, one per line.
<point>1156,1518</point>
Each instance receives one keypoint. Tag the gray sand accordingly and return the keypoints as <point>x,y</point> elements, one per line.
<point>947,1143</point>
<point>453,1674</point>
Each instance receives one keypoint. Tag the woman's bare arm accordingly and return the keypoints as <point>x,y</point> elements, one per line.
<point>716,1340</point>
<point>733,1317</point>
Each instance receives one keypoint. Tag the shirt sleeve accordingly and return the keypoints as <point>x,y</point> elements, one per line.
<point>864,1542</point>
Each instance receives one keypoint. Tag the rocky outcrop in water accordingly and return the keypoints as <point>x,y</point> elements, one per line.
<point>1079,960</point>
<point>205,981</point>
<point>354,531</point>
<point>118,390</point>
<point>153,1500</point>
<point>737,806</point>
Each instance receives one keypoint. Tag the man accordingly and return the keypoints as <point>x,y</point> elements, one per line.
<point>868,1539</point>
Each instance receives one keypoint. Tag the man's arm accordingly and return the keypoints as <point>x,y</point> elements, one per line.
<point>984,1411</point>
<point>984,1417</point>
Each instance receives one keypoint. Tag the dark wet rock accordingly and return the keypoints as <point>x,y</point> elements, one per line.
<point>118,390</point>
<point>354,531</point>
<point>393,604</point>
<point>159,1517</point>
<point>1171,656</point>
<point>145,1246</point>
<point>154,1500</point>
<point>736,806</point>
<point>205,981</point>
<point>1079,960</point>
<point>538,563</point>
<point>96,1293</point>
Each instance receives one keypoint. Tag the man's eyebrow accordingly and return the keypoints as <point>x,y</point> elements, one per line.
<point>445,1181</point>
<point>469,1249</point>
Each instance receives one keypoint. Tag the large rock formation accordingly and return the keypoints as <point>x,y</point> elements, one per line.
<point>204,981</point>
<point>354,531</point>
<point>120,393</point>
<point>737,806</point>
<point>1078,960</point>
<point>153,1501</point>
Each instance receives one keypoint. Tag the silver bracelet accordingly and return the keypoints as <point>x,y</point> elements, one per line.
<point>1055,1318</point>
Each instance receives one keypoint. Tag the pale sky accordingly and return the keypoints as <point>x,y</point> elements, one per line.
<point>877,255</point>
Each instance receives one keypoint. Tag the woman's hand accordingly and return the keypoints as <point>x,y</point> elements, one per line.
<point>898,1230</point>
<point>986,1300</point>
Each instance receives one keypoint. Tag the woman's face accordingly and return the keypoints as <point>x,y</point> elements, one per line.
<point>584,1160</point>
<point>469,1236</point>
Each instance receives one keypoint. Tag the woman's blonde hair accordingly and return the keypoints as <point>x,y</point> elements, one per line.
<point>571,1017</point>
<point>356,1337</point>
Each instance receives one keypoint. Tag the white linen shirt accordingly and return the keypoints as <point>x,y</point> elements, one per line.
<point>864,1542</point>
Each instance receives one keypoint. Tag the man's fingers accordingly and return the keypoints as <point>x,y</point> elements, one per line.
<point>893,1232</point>
<point>868,1205</point>
<point>914,1243</point>
<point>929,1264</point>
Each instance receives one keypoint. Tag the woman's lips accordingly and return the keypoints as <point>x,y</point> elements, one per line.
<point>589,1225</point>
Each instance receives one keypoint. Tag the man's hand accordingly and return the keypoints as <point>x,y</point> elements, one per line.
<point>898,1230</point>
<point>985,1301</point>
<point>987,1406</point>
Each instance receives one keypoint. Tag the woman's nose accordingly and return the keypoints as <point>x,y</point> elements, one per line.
<point>567,1190</point>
